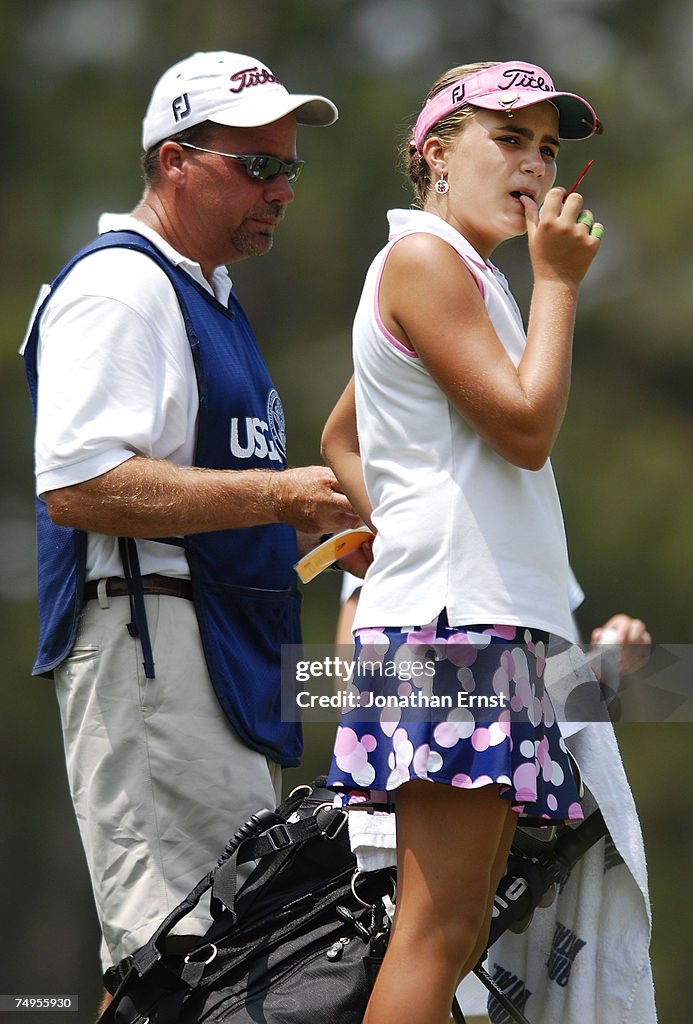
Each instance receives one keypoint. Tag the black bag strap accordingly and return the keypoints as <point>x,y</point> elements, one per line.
<point>152,951</point>
<point>149,977</point>
<point>138,626</point>
<point>134,1007</point>
<point>326,821</point>
<point>281,837</point>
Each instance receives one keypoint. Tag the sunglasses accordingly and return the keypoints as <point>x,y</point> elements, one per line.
<point>258,166</point>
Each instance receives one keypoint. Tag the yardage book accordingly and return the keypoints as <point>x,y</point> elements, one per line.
<point>331,550</point>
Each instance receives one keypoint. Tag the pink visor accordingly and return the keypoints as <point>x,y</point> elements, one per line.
<point>509,87</point>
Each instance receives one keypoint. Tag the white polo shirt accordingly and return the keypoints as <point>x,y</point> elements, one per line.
<point>116,379</point>
<point>458,526</point>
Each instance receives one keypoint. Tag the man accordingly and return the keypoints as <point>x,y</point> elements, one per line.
<point>167,519</point>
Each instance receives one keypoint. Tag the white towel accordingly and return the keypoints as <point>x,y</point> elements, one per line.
<point>585,958</point>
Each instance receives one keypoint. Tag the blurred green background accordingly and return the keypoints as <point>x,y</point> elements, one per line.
<point>76,76</point>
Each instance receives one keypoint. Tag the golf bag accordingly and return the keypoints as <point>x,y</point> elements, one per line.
<point>303,937</point>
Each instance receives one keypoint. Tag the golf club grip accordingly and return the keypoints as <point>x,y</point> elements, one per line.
<point>527,878</point>
<point>574,842</point>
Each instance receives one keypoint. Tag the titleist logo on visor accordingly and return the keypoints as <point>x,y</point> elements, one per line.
<point>520,78</point>
<point>251,76</point>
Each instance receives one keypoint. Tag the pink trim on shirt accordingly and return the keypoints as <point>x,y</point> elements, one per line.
<point>469,264</point>
<point>471,267</point>
<point>376,310</point>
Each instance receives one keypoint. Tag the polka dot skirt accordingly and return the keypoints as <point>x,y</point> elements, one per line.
<point>464,706</point>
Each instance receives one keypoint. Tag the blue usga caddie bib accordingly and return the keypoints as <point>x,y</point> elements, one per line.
<point>243,580</point>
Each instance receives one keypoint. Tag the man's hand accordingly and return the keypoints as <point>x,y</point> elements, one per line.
<point>311,500</point>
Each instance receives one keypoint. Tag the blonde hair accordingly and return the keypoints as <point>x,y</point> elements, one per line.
<point>447,129</point>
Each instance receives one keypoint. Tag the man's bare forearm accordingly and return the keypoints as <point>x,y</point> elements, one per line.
<point>153,498</point>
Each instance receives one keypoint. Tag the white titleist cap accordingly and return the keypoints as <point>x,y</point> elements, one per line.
<point>227,88</point>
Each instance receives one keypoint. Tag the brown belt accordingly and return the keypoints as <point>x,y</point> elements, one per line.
<point>151,584</point>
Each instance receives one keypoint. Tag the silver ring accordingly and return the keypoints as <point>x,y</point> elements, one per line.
<point>364,903</point>
<point>191,958</point>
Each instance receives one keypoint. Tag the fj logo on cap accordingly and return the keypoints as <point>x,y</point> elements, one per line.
<point>180,107</point>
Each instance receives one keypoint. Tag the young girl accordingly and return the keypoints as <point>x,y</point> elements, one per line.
<point>457,413</point>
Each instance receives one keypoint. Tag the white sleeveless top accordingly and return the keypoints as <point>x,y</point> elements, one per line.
<point>458,527</point>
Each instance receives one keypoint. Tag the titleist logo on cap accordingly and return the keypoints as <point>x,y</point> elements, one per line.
<point>251,76</point>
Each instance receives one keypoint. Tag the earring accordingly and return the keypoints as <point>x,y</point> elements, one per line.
<point>442,186</point>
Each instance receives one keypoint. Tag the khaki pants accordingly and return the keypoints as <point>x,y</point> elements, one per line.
<point>158,777</point>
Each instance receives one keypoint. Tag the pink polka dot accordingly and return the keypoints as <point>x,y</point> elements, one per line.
<point>389,720</point>
<point>552,802</point>
<point>506,632</point>
<point>369,742</point>
<point>458,638</point>
<point>461,781</point>
<point>353,762</point>
<point>446,734</point>
<point>399,738</point>
<point>535,712</point>
<point>501,683</point>
<point>548,712</point>
<point>460,652</point>
<point>543,756</point>
<point>404,749</point>
<point>524,781</point>
<point>524,691</point>
<point>481,738</point>
<point>507,664</point>
<point>345,741</point>
<point>373,635</point>
<point>528,795</point>
<point>480,781</point>
<point>424,637</point>
<point>420,762</point>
